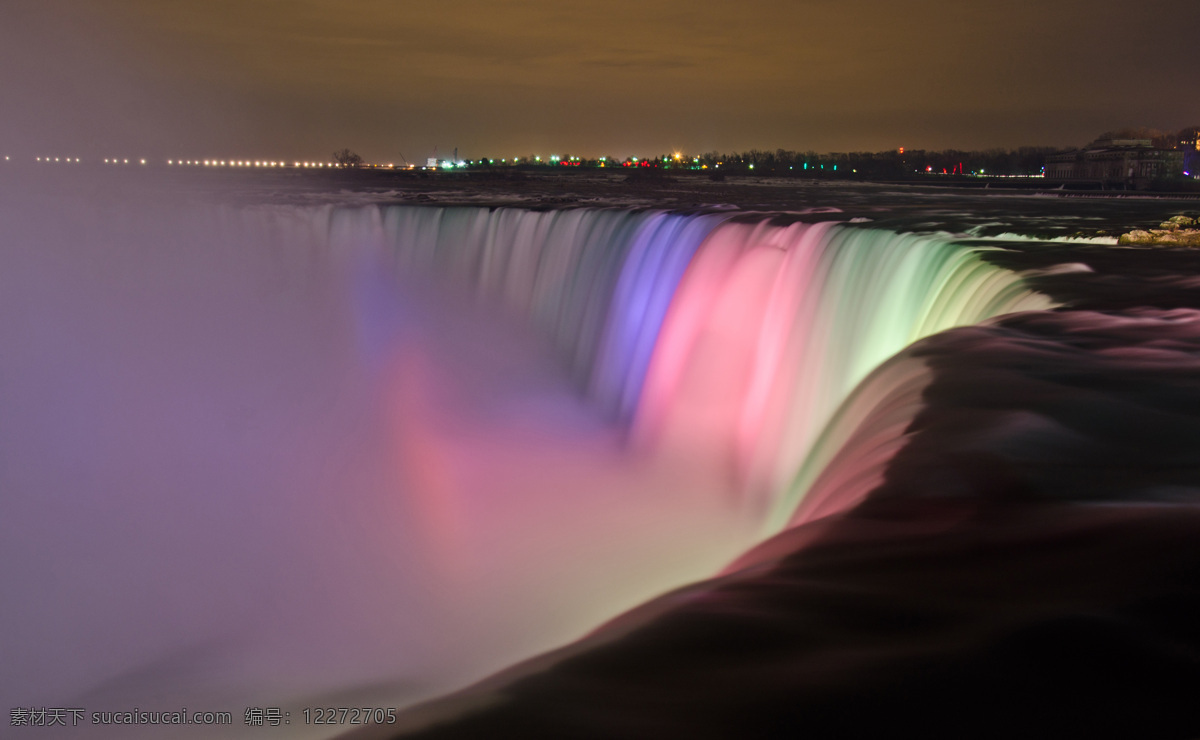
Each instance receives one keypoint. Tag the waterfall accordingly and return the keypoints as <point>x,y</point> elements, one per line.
<point>706,337</point>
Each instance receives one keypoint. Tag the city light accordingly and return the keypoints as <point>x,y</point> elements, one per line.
<point>670,160</point>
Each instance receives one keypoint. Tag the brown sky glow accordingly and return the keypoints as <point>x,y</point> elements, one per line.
<point>295,79</point>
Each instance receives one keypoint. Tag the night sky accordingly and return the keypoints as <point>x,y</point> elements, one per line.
<point>500,78</point>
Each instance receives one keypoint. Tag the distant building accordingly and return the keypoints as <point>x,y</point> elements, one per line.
<point>1190,146</point>
<point>1125,162</point>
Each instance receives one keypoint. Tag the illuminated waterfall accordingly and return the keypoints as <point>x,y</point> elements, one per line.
<point>596,282</point>
<point>726,342</point>
<point>774,327</point>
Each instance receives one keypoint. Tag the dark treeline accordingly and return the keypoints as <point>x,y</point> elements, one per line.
<point>902,163</point>
<point>897,164</point>
<point>889,164</point>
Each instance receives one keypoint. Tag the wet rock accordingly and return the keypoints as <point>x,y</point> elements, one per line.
<point>1177,231</point>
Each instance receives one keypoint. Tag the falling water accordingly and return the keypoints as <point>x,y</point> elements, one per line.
<point>719,340</point>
